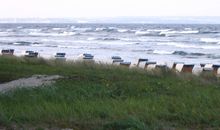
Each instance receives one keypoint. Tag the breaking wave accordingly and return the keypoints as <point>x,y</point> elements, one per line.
<point>53,34</point>
<point>210,40</point>
<point>148,33</point>
<point>182,45</point>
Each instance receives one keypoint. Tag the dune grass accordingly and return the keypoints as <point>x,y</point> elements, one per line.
<point>104,97</point>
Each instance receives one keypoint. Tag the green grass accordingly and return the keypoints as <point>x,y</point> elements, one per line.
<point>105,97</point>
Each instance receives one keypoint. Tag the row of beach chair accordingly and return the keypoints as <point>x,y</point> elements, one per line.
<point>142,63</point>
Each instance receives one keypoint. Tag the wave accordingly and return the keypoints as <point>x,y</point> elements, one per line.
<point>106,29</point>
<point>148,33</point>
<point>57,29</point>
<point>162,52</point>
<point>123,30</point>
<point>51,46</point>
<point>182,45</point>
<point>159,30</point>
<point>183,53</point>
<point>126,31</point>
<point>210,40</point>
<point>83,29</point>
<point>178,33</point>
<point>53,34</point>
<point>100,29</point>
<point>91,39</point>
<point>26,30</point>
<point>214,56</point>
<point>24,43</point>
<point>208,32</point>
<point>103,39</point>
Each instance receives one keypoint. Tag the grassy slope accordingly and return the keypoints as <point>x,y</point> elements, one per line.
<point>106,97</point>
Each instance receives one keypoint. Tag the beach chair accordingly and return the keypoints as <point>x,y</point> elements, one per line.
<point>7,52</point>
<point>141,62</point>
<point>174,65</point>
<point>86,57</point>
<point>218,73</point>
<point>208,68</point>
<point>31,54</point>
<point>178,66</point>
<point>117,61</point>
<point>187,68</point>
<point>60,56</point>
<point>197,70</point>
<point>161,67</point>
<point>150,65</point>
<point>125,64</point>
<point>116,58</point>
<point>216,68</point>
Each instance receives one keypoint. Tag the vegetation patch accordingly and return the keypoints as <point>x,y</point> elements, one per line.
<point>105,97</point>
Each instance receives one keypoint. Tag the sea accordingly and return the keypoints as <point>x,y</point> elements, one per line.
<point>157,42</point>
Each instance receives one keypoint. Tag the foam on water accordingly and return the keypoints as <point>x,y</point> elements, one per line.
<point>53,34</point>
<point>183,45</point>
<point>162,52</point>
<point>191,43</point>
<point>210,40</point>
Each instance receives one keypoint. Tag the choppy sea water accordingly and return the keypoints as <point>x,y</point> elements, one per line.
<point>161,43</point>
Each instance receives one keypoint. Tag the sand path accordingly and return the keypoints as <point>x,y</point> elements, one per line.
<point>33,81</point>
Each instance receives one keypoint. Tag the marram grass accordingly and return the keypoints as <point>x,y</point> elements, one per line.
<point>105,97</point>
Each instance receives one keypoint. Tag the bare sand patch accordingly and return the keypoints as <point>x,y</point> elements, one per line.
<point>31,82</point>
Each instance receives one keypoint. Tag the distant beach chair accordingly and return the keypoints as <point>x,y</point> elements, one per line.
<point>161,67</point>
<point>8,52</point>
<point>60,56</point>
<point>178,66</point>
<point>197,70</point>
<point>187,68</point>
<point>116,58</point>
<point>87,57</point>
<point>208,67</point>
<point>125,64</point>
<point>150,65</point>
<point>218,72</point>
<point>216,69</point>
<point>175,63</point>
<point>202,64</point>
<point>141,62</point>
<point>117,61</point>
<point>31,54</point>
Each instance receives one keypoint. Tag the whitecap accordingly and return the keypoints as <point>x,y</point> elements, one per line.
<point>91,38</point>
<point>142,33</point>
<point>123,30</point>
<point>159,30</point>
<point>163,52</point>
<point>176,33</point>
<point>57,29</point>
<point>100,29</point>
<point>182,45</point>
<point>53,34</point>
<point>210,40</point>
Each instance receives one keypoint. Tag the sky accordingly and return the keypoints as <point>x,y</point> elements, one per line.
<point>106,8</point>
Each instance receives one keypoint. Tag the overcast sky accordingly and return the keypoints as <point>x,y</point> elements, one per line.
<point>107,8</point>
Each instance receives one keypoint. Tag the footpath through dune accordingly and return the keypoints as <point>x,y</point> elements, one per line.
<point>31,82</point>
